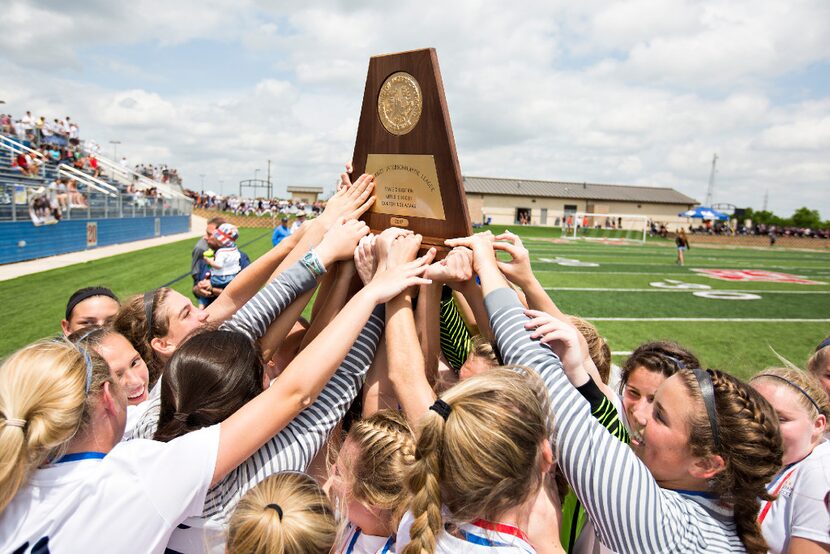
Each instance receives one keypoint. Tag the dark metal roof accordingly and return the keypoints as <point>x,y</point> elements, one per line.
<point>582,191</point>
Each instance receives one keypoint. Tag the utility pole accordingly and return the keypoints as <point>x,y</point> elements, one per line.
<point>766,199</point>
<point>269,180</point>
<point>710,191</point>
<point>202,177</point>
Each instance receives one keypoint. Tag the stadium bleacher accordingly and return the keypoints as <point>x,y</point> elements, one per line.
<point>116,194</point>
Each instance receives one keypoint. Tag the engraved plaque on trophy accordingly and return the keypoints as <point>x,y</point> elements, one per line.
<point>405,140</point>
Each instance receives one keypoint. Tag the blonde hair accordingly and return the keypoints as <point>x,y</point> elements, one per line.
<point>795,379</point>
<point>43,404</point>
<point>819,361</point>
<point>483,459</point>
<point>598,348</point>
<point>483,348</point>
<point>286,513</point>
<point>384,454</point>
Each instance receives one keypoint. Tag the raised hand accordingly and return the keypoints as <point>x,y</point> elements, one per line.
<point>389,282</point>
<point>349,202</point>
<point>456,267</point>
<point>345,181</point>
<point>365,260</point>
<point>383,244</point>
<point>563,340</point>
<point>340,241</point>
<point>517,270</point>
<point>482,246</point>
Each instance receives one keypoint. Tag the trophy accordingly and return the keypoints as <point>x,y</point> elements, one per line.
<point>405,140</point>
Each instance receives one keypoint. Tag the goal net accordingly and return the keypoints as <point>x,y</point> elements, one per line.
<point>605,227</point>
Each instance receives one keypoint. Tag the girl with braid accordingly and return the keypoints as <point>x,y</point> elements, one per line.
<point>797,522</point>
<point>480,463</point>
<point>709,446</point>
<point>368,479</point>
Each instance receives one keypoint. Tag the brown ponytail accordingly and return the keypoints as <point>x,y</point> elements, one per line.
<point>752,449</point>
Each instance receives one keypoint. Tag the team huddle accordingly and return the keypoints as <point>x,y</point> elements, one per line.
<point>427,405</point>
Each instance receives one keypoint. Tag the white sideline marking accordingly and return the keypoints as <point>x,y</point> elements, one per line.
<point>714,319</point>
<point>601,289</point>
<point>671,262</point>
<point>621,353</point>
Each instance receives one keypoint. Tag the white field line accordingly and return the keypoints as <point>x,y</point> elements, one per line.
<point>683,275</point>
<point>710,319</point>
<point>621,353</point>
<point>672,252</point>
<point>698,266</point>
<point>601,289</point>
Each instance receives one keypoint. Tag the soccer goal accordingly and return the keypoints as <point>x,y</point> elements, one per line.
<point>605,227</point>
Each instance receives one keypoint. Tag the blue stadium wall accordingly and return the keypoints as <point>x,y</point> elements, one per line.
<point>21,240</point>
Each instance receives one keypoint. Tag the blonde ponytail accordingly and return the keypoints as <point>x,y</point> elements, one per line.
<point>287,513</point>
<point>425,487</point>
<point>484,459</point>
<point>42,406</point>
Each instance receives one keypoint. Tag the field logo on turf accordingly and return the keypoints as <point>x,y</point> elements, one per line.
<point>568,262</point>
<point>755,275</point>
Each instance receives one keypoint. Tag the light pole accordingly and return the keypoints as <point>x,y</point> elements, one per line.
<point>202,177</point>
<point>115,144</point>
<point>256,171</point>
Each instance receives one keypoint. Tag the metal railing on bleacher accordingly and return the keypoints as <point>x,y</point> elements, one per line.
<point>99,198</point>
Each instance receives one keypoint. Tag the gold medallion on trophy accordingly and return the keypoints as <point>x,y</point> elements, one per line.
<point>400,103</point>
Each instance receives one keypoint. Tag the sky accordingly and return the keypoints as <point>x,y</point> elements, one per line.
<point>621,92</point>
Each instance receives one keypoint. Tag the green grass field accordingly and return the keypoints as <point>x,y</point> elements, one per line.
<point>613,285</point>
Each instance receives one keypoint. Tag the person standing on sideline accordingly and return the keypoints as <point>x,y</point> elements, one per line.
<point>280,232</point>
<point>202,246</point>
<point>682,242</point>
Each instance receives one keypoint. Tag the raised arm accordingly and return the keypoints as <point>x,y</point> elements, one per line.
<point>251,426</point>
<point>293,448</point>
<point>346,204</point>
<point>258,313</point>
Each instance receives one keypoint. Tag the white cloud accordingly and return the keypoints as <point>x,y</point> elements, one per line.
<point>640,91</point>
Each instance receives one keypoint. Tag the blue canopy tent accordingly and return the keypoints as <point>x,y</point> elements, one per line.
<point>701,212</point>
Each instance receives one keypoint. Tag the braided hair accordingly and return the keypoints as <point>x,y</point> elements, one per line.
<point>749,427</point>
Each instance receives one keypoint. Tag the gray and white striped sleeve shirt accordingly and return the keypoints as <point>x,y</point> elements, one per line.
<point>294,447</point>
<point>259,312</point>
<point>629,510</point>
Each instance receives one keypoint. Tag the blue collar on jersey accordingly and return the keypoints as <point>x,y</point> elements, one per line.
<point>76,456</point>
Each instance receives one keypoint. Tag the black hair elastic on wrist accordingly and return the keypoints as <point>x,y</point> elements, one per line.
<point>707,390</point>
<point>441,408</point>
<point>80,295</point>
<point>149,311</point>
<point>276,508</point>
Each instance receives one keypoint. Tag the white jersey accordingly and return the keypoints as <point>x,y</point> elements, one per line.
<point>479,536</point>
<point>800,508</point>
<point>127,501</point>
<point>355,541</point>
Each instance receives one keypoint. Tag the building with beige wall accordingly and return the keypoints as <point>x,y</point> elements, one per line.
<point>502,201</point>
<point>304,194</point>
